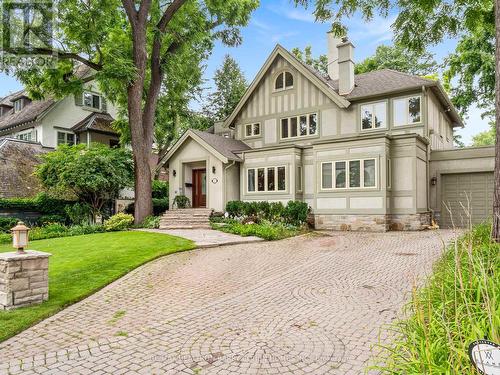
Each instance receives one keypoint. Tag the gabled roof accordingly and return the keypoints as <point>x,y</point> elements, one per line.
<point>100,122</point>
<point>376,83</point>
<point>297,64</point>
<point>225,149</point>
<point>28,114</point>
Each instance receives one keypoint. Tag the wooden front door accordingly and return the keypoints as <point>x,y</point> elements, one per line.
<point>199,188</point>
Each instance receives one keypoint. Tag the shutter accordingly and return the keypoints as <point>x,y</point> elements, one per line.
<point>104,106</point>
<point>79,99</point>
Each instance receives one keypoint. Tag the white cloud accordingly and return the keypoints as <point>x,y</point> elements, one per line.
<point>286,9</point>
<point>378,30</point>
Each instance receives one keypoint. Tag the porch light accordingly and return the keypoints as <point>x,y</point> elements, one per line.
<point>213,169</point>
<point>434,180</point>
<point>174,173</point>
<point>20,237</point>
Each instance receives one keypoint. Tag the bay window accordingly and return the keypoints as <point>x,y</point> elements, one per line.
<point>266,179</point>
<point>350,174</point>
<point>407,111</point>
<point>299,126</point>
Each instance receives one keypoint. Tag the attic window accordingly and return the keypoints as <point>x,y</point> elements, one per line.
<point>91,100</point>
<point>284,81</point>
<point>18,105</point>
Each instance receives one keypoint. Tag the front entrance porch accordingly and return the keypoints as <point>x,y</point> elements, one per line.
<point>195,183</point>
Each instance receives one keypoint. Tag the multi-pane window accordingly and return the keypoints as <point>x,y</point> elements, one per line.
<point>374,116</point>
<point>283,81</point>
<point>266,179</point>
<point>65,138</point>
<point>349,174</point>
<point>407,111</point>
<point>29,136</point>
<point>18,105</point>
<point>91,100</point>
<point>252,130</point>
<point>299,126</point>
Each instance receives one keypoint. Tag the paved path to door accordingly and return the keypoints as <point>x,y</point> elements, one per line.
<point>207,237</point>
<point>307,305</point>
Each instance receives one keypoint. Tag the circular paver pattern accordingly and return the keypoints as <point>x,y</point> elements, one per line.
<point>308,305</point>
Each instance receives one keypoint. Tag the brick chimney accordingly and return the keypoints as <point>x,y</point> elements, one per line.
<point>346,66</point>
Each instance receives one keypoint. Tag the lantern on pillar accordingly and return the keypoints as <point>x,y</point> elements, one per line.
<point>20,237</point>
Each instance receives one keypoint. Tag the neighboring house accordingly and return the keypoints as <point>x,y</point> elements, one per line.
<point>34,127</point>
<point>365,152</point>
<point>82,118</point>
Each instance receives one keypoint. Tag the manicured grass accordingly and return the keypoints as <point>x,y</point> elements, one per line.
<point>81,265</point>
<point>459,304</point>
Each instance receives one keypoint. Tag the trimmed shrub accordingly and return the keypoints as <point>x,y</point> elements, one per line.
<point>5,238</point>
<point>151,222</point>
<point>160,206</point>
<point>6,223</point>
<point>160,189</point>
<point>294,213</point>
<point>120,221</point>
<point>181,201</point>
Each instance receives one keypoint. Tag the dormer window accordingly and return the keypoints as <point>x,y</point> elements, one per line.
<point>284,81</point>
<point>18,105</point>
<point>92,100</point>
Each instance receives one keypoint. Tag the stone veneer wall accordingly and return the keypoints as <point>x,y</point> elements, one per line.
<point>24,279</point>
<point>372,223</point>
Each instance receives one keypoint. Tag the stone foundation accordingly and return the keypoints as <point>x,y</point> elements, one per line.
<point>24,279</point>
<point>410,222</point>
<point>372,223</point>
<point>357,223</point>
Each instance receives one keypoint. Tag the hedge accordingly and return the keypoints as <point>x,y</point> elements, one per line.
<point>294,213</point>
<point>42,203</point>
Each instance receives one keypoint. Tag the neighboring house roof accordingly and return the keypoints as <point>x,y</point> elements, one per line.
<point>226,149</point>
<point>376,83</point>
<point>17,164</point>
<point>7,100</point>
<point>100,122</point>
<point>28,114</point>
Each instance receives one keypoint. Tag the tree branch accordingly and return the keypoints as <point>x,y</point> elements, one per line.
<point>169,14</point>
<point>68,55</point>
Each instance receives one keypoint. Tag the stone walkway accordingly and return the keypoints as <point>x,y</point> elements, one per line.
<point>307,305</point>
<point>204,238</point>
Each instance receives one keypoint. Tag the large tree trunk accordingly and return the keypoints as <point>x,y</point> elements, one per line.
<point>496,195</point>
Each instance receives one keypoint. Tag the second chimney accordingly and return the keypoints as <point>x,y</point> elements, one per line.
<point>333,56</point>
<point>346,67</point>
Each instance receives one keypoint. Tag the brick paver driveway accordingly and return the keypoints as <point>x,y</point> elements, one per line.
<point>312,304</point>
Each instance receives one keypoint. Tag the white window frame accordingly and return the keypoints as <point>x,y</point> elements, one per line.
<point>282,74</point>
<point>18,105</point>
<point>31,135</point>
<point>308,119</point>
<point>407,101</point>
<point>65,137</point>
<point>253,133</point>
<point>372,105</point>
<point>93,94</point>
<point>256,180</point>
<point>347,182</point>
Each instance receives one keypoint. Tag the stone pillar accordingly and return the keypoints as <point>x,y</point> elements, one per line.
<point>24,279</point>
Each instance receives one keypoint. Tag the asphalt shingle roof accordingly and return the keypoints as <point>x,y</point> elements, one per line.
<point>95,121</point>
<point>226,146</point>
<point>29,113</point>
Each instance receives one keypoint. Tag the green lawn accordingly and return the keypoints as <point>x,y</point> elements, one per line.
<point>81,265</point>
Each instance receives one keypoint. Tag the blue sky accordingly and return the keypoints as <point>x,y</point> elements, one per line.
<point>277,21</point>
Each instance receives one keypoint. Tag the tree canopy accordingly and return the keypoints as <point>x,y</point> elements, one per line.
<point>486,138</point>
<point>93,174</point>
<point>319,63</point>
<point>400,59</point>
<point>230,85</point>
<point>130,45</point>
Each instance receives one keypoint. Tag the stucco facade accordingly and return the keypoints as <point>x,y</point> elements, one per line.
<point>360,160</point>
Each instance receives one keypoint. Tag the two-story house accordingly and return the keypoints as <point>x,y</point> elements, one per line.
<point>81,118</point>
<point>356,148</point>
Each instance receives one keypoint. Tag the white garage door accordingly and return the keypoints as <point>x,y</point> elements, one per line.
<point>462,192</point>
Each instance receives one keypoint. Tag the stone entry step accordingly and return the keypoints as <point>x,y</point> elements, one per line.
<point>189,218</point>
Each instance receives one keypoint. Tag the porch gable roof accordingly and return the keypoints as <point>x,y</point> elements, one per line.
<point>225,149</point>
